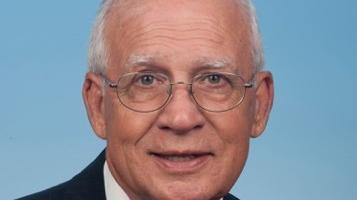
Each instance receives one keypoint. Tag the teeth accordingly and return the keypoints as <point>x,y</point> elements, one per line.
<point>179,158</point>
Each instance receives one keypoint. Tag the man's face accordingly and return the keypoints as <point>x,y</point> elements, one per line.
<point>180,151</point>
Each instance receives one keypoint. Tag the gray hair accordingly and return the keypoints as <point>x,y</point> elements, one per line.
<point>98,56</point>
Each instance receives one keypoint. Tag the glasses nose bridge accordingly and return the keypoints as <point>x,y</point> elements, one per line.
<point>188,87</point>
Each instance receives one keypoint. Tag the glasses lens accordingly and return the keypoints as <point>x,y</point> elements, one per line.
<point>218,92</point>
<point>143,92</point>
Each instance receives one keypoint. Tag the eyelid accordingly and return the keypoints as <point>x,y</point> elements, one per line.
<point>150,69</point>
<point>157,75</point>
<point>206,74</point>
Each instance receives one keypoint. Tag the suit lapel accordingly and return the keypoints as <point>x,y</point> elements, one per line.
<point>89,184</point>
<point>230,197</point>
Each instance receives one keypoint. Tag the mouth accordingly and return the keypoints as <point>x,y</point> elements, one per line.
<point>181,162</point>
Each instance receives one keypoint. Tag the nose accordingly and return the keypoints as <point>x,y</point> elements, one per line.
<point>181,115</point>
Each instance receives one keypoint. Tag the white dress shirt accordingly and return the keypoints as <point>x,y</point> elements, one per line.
<point>113,191</point>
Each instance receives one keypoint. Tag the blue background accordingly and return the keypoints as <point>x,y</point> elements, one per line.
<point>307,152</point>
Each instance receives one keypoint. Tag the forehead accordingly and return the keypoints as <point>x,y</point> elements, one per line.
<point>223,10</point>
<point>177,30</point>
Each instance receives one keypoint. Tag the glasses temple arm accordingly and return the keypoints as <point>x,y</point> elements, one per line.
<point>108,82</point>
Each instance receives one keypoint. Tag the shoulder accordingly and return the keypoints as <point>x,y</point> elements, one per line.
<point>87,185</point>
<point>55,193</point>
<point>230,197</point>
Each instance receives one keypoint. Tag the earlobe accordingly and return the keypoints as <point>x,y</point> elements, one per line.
<point>264,101</point>
<point>93,100</point>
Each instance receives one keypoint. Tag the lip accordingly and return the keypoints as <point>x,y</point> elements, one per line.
<point>186,162</point>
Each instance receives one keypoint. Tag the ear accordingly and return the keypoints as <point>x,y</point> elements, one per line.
<point>264,94</point>
<point>92,92</point>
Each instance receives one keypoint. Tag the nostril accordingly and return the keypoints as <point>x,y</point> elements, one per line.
<point>165,128</point>
<point>199,126</point>
<point>180,128</point>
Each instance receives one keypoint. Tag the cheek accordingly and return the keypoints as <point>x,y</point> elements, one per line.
<point>235,134</point>
<point>234,129</point>
<point>127,127</point>
<point>236,137</point>
<point>234,126</point>
<point>125,130</point>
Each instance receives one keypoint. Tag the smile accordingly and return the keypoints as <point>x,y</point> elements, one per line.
<point>181,163</point>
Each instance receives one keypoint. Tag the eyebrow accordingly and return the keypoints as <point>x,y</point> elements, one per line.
<point>139,60</point>
<point>217,63</point>
<point>214,63</point>
<point>200,63</point>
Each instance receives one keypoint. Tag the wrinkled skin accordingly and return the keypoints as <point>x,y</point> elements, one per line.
<point>179,38</point>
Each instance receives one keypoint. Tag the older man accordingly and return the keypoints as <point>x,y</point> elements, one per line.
<point>176,89</point>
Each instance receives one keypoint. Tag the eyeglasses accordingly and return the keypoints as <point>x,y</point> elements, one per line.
<point>150,91</point>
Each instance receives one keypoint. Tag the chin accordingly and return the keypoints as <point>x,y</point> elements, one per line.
<point>186,195</point>
<point>184,191</point>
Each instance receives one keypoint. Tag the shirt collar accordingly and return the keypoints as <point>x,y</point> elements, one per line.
<point>113,191</point>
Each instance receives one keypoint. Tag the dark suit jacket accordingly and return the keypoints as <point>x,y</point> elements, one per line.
<point>87,185</point>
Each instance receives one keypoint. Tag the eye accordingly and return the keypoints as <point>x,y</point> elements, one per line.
<point>146,79</point>
<point>214,78</point>
<point>213,81</point>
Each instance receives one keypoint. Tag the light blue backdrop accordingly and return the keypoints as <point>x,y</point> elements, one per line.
<point>307,152</point>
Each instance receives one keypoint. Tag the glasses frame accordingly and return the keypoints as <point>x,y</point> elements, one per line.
<point>246,85</point>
